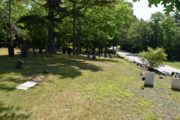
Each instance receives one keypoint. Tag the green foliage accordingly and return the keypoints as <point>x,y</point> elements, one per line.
<point>90,25</point>
<point>3,22</point>
<point>155,57</point>
<point>157,17</point>
<point>104,26</point>
<point>162,31</point>
<point>138,38</point>
<point>169,36</point>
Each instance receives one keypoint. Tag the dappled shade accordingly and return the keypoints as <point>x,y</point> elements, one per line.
<point>64,67</point>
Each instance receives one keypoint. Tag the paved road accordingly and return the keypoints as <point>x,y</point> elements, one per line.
<point>134,58</point>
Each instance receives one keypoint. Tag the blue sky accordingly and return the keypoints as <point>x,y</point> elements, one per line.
<point>141,9</point>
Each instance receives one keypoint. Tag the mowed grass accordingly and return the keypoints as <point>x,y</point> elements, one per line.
<point>80,89</point>
<point>175,64</point>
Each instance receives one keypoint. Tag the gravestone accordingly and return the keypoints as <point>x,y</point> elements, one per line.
<point>89,56</point>
<point>94,56</point>
<point>45,71</point>
<point>149,79</point>
<point>176,82</point>
<point>105,55</point>
<point>110,56</point>
<point>63,50</point>
<point>19,64</point>
<point>69,50</point>
<point>26,85</point>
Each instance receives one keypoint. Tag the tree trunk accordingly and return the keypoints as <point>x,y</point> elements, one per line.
<point>74,29</point>
<point>78,43</point>
<point>24,50</point>
<point>105,52</point>
<point>94,47</point>
<point>10,44</point>
<point>10,49</point>
<point>51,39</point>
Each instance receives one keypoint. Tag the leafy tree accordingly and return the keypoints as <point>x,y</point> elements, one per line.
<point>105,24</point>
<point>3,33</point>
<point>177,36</point>
<point>138,38</point>
<point>9,28</point>
<point>157,37</point>
<point>169,36</point>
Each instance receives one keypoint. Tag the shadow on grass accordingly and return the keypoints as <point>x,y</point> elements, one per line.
<point>6,87</point>
<point>64,66</point>
<point>12,113</point>
<point>99,59</point>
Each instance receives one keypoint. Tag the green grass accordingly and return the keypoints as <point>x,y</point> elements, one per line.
<point>77,88</point>
<point>173,64</point>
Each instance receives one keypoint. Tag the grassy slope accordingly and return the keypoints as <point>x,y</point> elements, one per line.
<point>173,64</point>
<point>80,89</point>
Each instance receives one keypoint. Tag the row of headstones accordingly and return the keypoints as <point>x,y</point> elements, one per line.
<point>93,56</point>
<point>67,50</point>
<point>19,65</point>
<point>89,56</point>
<point>148,78</point>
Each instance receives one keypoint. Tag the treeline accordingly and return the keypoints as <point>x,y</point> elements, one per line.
<point>79,25</point>
<point>85,26</point>
<point>161,31</point>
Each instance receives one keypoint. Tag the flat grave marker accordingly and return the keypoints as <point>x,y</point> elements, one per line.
<point>26,85</point>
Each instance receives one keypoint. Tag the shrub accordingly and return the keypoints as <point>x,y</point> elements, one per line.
<point>154,57</point>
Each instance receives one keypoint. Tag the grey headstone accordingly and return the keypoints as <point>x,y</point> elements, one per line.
<point>19,64</point>
<point>94,56</point>
<point>149,79</point>
<point>176,82</point>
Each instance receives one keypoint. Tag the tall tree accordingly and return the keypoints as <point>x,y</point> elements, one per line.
<point>157,37</point>
<point>10,42</point>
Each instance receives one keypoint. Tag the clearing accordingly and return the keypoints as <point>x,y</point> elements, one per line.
<point>78,88</point>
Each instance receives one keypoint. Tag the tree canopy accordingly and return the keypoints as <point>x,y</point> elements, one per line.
<point>87,26</point>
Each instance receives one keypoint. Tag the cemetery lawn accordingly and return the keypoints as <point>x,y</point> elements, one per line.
<point>77,88</point>
<point>175,64</point>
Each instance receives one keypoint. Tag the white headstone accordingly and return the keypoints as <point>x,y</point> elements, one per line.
<point>149,79</point>
<point>176,82</point>
<point>26,85</point>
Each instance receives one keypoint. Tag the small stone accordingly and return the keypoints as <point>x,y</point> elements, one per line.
<point>94,56</point>
<point>45,71</point>
<point>161,77</point>
<point>88,56</point>
<point>19,64</point>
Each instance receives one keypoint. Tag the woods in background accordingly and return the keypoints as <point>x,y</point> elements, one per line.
<point>87,26</point>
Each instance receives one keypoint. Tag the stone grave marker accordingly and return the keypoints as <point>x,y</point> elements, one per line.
<point>149,79</point>
<point>176,82</point>
<point>19,64</point>
<point>26,85</point>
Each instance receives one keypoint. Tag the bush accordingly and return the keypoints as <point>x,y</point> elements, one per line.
<point>154,57</point>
